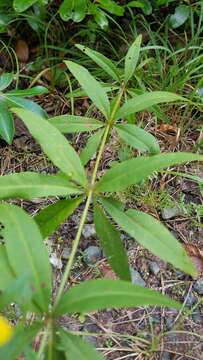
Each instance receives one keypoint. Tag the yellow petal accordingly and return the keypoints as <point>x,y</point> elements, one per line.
<point>6,331</point>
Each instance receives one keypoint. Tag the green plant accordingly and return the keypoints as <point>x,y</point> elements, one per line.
<point>16,98</point>
<point>22,236</point>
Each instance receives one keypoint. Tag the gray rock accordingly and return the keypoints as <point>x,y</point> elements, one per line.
<point>66,253</point>
<point>197,316</point>
<point>191,300</point>
<point>55,261</point>
<point>169,213</point>
<point>198,286</point>
<point>154,267</point>
<point>89,231</point>
<point>165,356</point>
<point>92,254</point>
<point>136,278</point>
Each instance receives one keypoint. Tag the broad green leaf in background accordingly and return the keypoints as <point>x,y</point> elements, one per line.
<point>76,348</point>
<point>105,294</point>
<point>91,147</point>
<point>54,144</point>
<point>6,124</point>
<point>29,185</point>
<point>49,218</point>
<point>132,171</point>
<point>111,244</point>
<point>26,252</point>
<point>5,80</point>
<point>22,5</point>
<point>138,138</point>
<point>15,101</point>
<point>7,274</point>
<point>131,58</point>
<point>112,7</point>
<point>72,123</point>
<point>20,340</point>
<point>71,9</point>
<point>180,16</point>
<point>91,86</point>
<point>145,5</point>
<point>101,19</point>
<point>102,61</point>
<point>151,234</point>
<point>145,101</point>
<point>35,91</point>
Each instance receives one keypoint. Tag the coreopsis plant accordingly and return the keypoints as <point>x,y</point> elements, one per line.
<point>26,276</point>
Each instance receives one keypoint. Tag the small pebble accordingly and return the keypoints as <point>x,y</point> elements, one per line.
<point>154,267</point>
<point>197,316</point>
<point>65,253</point>
<point>198,286</point>
<point>89,231</point>
<point>136,278</point>
<point>191,300</point>
<point>55,261</point>
<point>169,213</point>
<point>165,356</point>
<point>92,254</point>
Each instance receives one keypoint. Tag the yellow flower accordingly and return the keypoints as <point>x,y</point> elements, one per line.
<point>6,331</point>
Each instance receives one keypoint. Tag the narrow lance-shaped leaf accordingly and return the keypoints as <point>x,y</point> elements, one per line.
<point>131,58</point>
<point>132,171</point>
<point>53,215</point>
<point>138,138</point>
<point>29,185</point>
<point>72,123</point>
<point>34,91</point>
<point>76,348</point>
<point>145,101</point>
<point>151,234</point>
<point>17,101</point>
<point>91,86</point>
<point>102,61</point>
<point>5,80</point>
<point>6,124</point>
<point>91,147</point>
<point>27,253</point>
<point>111,244</point>
<point>55,145</point>
<point>102,294</point>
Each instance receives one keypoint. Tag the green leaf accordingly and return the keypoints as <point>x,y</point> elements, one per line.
<point>145,5</point>
<point>35,91</point>
<point>131,58</point>
<point>26,252</point>
<point>5,80</point>
<point>151,234</point>
<point>56,146</point>
<point>145,101</point>
<point>180,16</point>
<point>12,293</point>
<point>76,348</point>
<point>15,101</point>
<point>71,9</point>
<point>21,339</point>
<point>132,171</point>
<point>29,185</point>
<point>101,19</point>
<point>138,138</point>
<point>72,123</point>
<point>91,147</point>
<point>102,61</point>
<point>53,215</point>
<point>22,5</point>
<point>111,244</point>
<point>7,274</point>
<point>112,7</point>
<point>91,86</point>
<point>105,294</point>
<point>6,124</point>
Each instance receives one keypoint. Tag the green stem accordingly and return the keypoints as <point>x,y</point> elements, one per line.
<point>88,202</point>
<point>42,344</point>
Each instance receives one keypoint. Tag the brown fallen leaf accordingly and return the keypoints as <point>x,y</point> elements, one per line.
<point>196,256</point>
<point>107,272</point>
<point>22,51</point>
